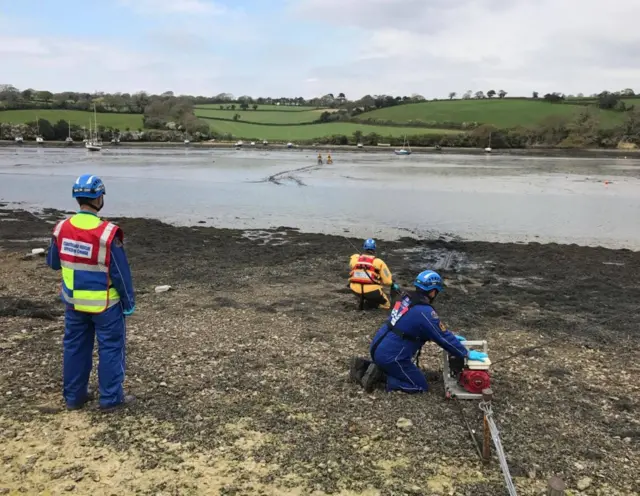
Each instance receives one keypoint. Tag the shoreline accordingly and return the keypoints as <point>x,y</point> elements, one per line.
<point>353,236</point>
<point>534,152</point>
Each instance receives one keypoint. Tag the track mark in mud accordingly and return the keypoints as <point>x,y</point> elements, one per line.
<point>20,307</point>
<point>287,175</point>
<point>267,238</point>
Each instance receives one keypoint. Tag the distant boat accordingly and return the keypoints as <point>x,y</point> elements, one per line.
<point>253,143</point>
<point>69,139</point>
<point>186,141</point>
<point>39,139</point>
<point>403,150</point>
<point>360,145</point>
<point>265,143</point>
<point>18,139</point>
<point>488,148</point>
<point>289,145</point>
<point>94,143</point>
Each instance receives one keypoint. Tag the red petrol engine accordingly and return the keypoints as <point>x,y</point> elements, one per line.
<point>474,381</point>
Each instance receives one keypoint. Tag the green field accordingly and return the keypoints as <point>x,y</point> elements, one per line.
<point>77,117</point>
<point>263,108</point>
<point>293,133</point>
<point>501,113</point>
<point>261,117</point>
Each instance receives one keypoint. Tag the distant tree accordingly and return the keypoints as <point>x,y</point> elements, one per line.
<point>631,127</point>
<point>490,93</point>
<point>342,97</point>
<point>244,105</point>
<point>627,92</point>
<point>535,94</point>
<point>45,96</point>
<point>221,107</point>
<point>417,98</point>
<point>452,95</point>
<point>236,117</point>
<point>553,97</point>
<point>325,116</point>
<point>357,136</point>
<point>61,130</point>
<point>27,94</point>
<point>580,95</point>
<point>502,93</point>
<point>608,100</point>
<point>167,94</point>
<point>233,107</point>
<point>367,101</point>
<point>479,95</point>
<point>467,95</point>
<point>46,129</point>
<point>223,97</point>
<point>372,139</point>
<point>255,106</point>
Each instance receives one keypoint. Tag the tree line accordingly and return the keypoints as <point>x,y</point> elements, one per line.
<point>11,98</point>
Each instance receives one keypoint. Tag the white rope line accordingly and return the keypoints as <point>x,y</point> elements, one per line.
<point>495,435</point>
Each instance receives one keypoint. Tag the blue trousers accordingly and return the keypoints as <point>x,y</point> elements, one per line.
<point>404,375</point>
<point>80,330</point>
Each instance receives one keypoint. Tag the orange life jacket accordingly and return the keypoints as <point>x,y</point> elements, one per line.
<point>364,272</point>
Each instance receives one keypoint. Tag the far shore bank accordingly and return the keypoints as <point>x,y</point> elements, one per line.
<point>543,152</point>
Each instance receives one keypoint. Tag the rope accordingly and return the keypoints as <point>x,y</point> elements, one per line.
<point>466,422</point>
<point>495,435</point>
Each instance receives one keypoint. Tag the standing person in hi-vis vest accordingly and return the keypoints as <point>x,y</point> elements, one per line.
<point>98,292</point>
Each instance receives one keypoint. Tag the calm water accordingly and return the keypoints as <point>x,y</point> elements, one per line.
<point>475,197</point>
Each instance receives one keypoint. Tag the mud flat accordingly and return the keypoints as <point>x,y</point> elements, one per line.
<point>241,370</point>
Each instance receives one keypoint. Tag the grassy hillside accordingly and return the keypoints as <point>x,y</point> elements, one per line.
<point>77,117</point>
<point>501,113</point>
<point>261,108</point>
<point>293,133</point>
<point>285,117</point>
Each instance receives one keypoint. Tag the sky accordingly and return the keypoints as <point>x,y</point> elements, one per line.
<point>313,47</point>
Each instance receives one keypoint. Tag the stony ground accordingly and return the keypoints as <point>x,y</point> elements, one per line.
<point>241,370</point>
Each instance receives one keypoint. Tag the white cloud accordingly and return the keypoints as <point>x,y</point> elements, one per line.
<point>430,47</point>
<point>68,64</point>
<point>152,7</point>
<point>524,45</point>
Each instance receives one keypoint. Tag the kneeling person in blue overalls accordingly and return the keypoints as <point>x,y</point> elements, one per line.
<point>98,293</point>
<point>412,322</point>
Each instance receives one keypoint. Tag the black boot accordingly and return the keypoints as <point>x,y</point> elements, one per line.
<point>373,377</point>
<point>357,368</point>
<point>128,400</point>
<point>89,397</point>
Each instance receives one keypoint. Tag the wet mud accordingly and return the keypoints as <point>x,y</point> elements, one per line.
<point>241,369</point>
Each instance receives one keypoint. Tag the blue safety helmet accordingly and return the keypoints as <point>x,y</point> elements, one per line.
<point>369,244</point>
<point>88,186</point>
<point>428,280</point>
